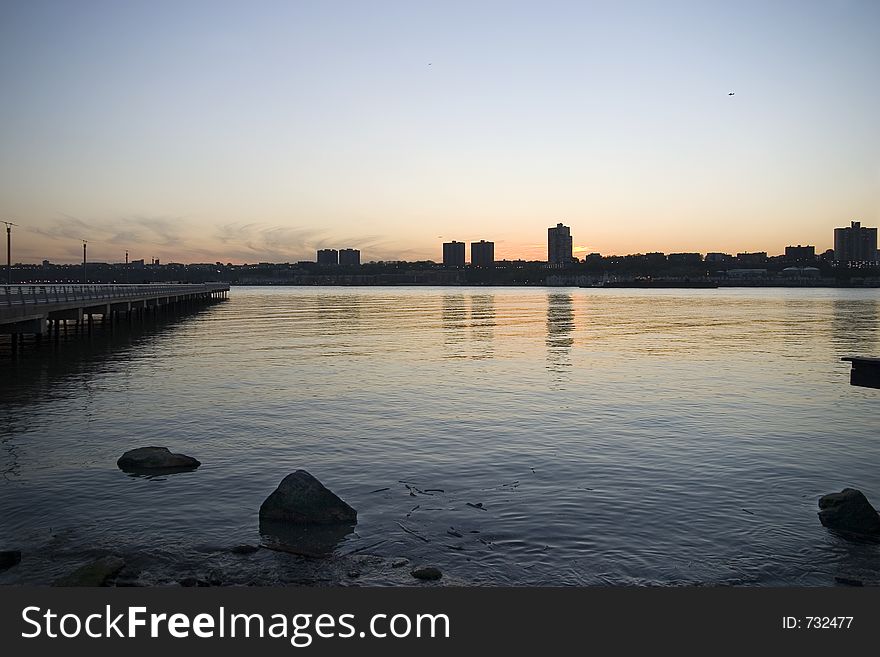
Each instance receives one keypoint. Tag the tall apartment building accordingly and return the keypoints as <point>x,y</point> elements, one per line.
<point>855,244</point>
<point>559,245</point>
<point>482,254</point>
<point>328,257</point>
<point>453,254</point>
<point>349,257</point>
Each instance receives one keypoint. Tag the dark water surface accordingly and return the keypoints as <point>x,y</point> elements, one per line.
<point>611,436</point>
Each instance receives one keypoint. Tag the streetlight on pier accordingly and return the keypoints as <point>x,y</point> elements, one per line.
<point>9,226</point>
<point>85,280</point>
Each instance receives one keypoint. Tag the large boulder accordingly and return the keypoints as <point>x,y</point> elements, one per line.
<point>97,573</point>
<point>155,460</point>
<point>849,511</point>
<point>303,500</point>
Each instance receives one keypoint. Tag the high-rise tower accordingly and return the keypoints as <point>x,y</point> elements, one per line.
<point>559,245</point>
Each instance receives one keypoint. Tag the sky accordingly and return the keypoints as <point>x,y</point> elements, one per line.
<point>203,131</point>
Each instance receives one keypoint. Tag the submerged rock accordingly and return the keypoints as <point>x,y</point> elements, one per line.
<point>244,549</point>
<point>193,581</point>
<point>849,581</point>
<point>97,573</point>
<point>155,460</point>
<point>428,573</point>
<point>303,500</point>
<point>849,511</point>
<point>8,558</point>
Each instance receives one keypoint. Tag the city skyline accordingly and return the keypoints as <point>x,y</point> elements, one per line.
<point>68,249</point>
<point>455,252</point>
<point>266,132</point>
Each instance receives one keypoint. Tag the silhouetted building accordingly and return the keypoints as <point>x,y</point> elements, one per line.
<point>800,253</point>
<point>718,257</point>
<point>349,257</point>
<point>328,257</point>
<point>685,258</point>
<point>855,244</point>
<point>559,245</point>
<point>483,254</point>
<point>453,254</point>
<point>752,259</point>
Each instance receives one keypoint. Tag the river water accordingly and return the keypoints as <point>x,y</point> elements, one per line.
<point>527,436</point>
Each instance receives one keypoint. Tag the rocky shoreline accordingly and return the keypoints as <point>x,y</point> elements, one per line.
<point>301,526</point>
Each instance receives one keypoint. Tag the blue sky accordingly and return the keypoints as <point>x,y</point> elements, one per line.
<point>249,131</point>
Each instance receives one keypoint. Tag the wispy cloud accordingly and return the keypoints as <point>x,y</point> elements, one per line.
<point>66,228</point>
<point>156,230</point>
<point>256,241</point>
<point>180,239</point>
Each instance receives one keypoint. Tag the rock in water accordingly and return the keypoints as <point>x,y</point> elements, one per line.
<point>192,581</point>
<point>427,573</point>
<point>849,511</point>
<point>97,573</point>
<point>303,500</point>
<point>849,581</point>
<point>155,460</point>
<point>8,558</point>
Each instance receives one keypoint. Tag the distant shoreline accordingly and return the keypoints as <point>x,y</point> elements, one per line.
<point>615,286</point>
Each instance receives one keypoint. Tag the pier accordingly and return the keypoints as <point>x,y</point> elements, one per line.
<point>865,371</point>
<point>46,310</point>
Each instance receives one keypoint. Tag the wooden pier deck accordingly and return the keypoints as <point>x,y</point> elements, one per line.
<point>38,309</point>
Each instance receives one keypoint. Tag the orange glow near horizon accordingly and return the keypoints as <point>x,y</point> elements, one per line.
<point>249,136</point>
<point>31,248</point>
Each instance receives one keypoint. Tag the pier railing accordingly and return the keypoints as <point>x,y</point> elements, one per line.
<point>14,295</point>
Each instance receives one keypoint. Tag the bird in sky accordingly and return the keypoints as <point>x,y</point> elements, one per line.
<point>732,93</point>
